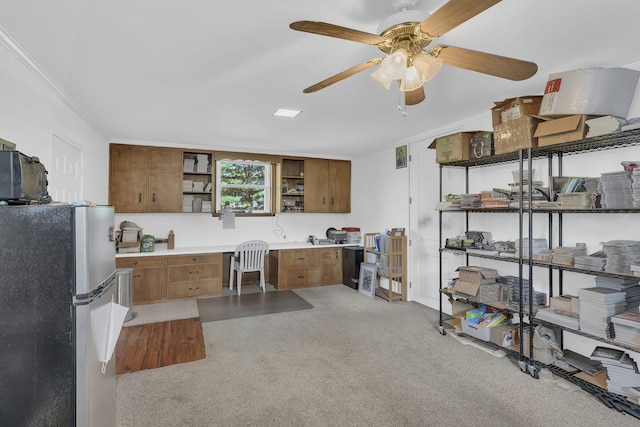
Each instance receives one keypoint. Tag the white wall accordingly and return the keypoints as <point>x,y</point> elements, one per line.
<point>31,112</point>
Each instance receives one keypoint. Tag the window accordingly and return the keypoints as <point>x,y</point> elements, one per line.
<point>243,186</point>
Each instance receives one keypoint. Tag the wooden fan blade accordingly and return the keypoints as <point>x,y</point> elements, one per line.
<point>452,14</point>
<point>337,31</point>
<point>487,63</point>
<point>415,96</point>
<point>343,75</point>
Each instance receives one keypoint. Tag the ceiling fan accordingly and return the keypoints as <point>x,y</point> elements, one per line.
<point>404,36</point>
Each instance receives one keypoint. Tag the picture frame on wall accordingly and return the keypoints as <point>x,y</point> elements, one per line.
<point>367,279</point>
<point>6,145</point>
<point>401,157</point>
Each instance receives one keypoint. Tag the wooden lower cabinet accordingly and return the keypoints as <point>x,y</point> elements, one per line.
<point>194,275</point>
<point>149,278</point>
<point>299,268</point>
<point>331,266</point>
<point>157,278</point>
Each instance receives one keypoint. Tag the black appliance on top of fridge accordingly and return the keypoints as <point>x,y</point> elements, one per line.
<point>352,257</point>
<point>57,273</point>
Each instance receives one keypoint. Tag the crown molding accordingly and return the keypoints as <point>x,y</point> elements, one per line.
<point>14,48</point>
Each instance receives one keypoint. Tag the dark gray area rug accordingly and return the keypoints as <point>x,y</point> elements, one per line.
<point>247,305</point>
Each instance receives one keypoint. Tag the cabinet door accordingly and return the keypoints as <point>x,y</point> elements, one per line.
<point>148,285</point>
<point>165,180</point>
<point>316,186</point>
<point>339,186</point>
<point>331,266</point>
<point>128,178</point>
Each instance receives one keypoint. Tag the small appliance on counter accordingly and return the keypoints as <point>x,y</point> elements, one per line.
<point>336,236</point>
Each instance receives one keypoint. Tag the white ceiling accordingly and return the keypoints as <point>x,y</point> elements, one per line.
<point>204,72</point>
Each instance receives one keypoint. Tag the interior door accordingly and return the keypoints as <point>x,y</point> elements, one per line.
<point>65,171</point>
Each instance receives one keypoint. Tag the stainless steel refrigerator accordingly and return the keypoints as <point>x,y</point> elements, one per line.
<point>57,272</point>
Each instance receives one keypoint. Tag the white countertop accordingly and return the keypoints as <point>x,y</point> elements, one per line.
<point>225,248</point>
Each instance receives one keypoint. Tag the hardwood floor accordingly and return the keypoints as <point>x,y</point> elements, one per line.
<point>159,344</point>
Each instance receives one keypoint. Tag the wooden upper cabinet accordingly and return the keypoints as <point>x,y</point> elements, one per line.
<point>165,180</point>
<point>327,185</point>
<point>145,179</point>
<point>128,178</point>
<point>340,186</point>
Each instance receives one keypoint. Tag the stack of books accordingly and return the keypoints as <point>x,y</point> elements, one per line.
<point>206,206</point>
<point>198,186</point>
<point>627,328</point>
<point>628,285</point>
<point>621,254</point>
<point>597,305</point>
<point>202,163</point>
<point>622,371</point>
<point>187,203</point>
<point>187,185</point>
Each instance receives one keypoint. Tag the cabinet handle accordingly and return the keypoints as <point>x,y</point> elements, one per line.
<point>194,272</point>
<point>300,277</point>
<point>154,197</point>
<point>194,259</point>
<point>139,197</point>
<point>135,262</point>
<point>300,259</point>
<point>323,200</point>
<point>194,288</point>
<point>137,276</point>
<point>332,201</point>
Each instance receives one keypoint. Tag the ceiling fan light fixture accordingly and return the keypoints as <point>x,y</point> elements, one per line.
<point>427,65</point>
<point>411,80</point>
<point>395,64</point>
<point>382,78</point>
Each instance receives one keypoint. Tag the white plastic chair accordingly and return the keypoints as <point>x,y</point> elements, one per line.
<point>249,256</point>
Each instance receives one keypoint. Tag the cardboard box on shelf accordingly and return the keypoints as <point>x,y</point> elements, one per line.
<point>565,129</point>
<point>452,148</point>
<point>597,91</point>
<point>515,108</point>
<point>515,134</point>
<point>505,335</point>
<point>131,235</point>
<point>477,275</point>
<point>481,145</point>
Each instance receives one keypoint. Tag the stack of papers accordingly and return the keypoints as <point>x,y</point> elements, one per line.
<point>189,165</point>
<point>620,255</point>
<point>567,319</point>
<point>187,203</point>
<point>589,262</point>
<point>206,206</point>
<point>616,188</point>
<point>198,186</point>
<point>635,187</point>
<point>628,285</point>
<point>564,255</point>
<point>202,163</point>
<point>187,185</point>
<point>597,305</point>
<point>622,371</point>
<point>627,328</point>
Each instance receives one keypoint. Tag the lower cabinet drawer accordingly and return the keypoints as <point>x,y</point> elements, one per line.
<point>299,278</point>
<point>194,288</point>
<point>179,273</point>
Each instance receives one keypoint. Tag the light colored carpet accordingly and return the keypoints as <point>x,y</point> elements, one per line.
<point>350,361</point>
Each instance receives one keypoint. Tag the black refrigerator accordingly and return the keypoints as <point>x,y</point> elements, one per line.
<point>57,278</point>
